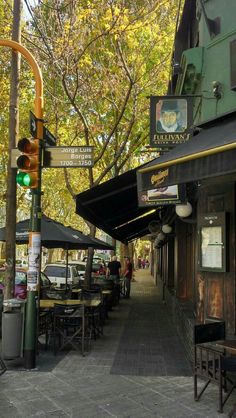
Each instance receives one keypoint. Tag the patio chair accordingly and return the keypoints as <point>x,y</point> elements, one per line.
<point>45,325</point>
<point>69,328</point>
<point>3,367</point>
<point>211,363</point>
<point>93,314</point>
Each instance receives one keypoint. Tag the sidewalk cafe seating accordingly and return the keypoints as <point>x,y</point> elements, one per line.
<point>45,322</point>
<point>2,366</point>
<point>106,284</point>
<point>69,327</point>
<point>94,314</point>
<point>104,298</point>
<point>211,362</point>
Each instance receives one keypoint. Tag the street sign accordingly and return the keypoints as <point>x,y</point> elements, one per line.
<point>48,137</point>
<point>57,157</point>
<point>33,125</point>
<point>68,157</point>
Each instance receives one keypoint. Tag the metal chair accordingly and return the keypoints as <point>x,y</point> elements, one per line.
<point>211,363</point>
<point>69,327</point>
<point>94,315</point>
<point>3,367</point>
<point>45,325</point>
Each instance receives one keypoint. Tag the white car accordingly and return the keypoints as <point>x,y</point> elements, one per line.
<point>81,266</point>
<point>57,274</point>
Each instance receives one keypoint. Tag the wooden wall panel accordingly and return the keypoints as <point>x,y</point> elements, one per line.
<point>218,288</point>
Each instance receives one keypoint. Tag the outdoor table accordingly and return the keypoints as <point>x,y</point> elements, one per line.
<point>49,303</point>
<point>76,293</point>
<point>107,292</point>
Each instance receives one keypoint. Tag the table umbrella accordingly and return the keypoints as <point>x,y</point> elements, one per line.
<point>56,235</point>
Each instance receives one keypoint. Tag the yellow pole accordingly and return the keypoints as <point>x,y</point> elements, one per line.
<point>34,270</point>
<point>38,105</point>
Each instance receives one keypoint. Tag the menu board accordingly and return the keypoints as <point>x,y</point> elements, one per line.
<point>212,242</point>
<point>211,247</point>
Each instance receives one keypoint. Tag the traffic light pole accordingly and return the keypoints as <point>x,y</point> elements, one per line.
<point>33,274</point>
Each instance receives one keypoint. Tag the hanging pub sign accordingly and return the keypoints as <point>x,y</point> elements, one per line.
<point>170,120</point>
<point>153,192</point>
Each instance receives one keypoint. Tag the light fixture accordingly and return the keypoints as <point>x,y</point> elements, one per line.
<point>166,228</point>
<point>216,86</point>
<point>184,210</point>
<point>160,236</point>
<point>156,242</point>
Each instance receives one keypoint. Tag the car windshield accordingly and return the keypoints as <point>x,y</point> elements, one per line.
<point>56,271</point>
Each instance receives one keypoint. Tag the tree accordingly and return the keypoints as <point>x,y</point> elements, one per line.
<point>101,61</point>
<point>104,59</point>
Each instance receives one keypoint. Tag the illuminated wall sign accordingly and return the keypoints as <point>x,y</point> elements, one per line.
<point>170,120</point>
<point>153,192</point>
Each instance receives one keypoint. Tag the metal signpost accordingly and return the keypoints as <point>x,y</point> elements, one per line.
<point>29,162</point>
<point>48,137</point>
<point>30,157</point>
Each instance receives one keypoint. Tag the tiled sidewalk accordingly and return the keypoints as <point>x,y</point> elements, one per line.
<point>137,369</point>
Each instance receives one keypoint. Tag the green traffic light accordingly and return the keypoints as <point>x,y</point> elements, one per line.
<point>23,179</point>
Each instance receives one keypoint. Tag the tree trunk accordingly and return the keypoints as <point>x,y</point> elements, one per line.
<point>88,270</point>
<point>11,173</point>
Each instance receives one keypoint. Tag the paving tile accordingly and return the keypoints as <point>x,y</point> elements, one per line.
<point>138,369</point>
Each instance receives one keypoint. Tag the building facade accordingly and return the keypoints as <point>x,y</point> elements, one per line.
<point>196,263</point>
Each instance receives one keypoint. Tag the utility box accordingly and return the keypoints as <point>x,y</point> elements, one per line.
<point>13,328</point>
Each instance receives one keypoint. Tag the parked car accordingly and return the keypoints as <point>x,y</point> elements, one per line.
<point>97,268</point>
<point>57,274</point>
<point>80,266</point>
<point>21,283</point>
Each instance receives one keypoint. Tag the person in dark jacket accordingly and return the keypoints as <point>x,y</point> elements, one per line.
<point>113,273</point>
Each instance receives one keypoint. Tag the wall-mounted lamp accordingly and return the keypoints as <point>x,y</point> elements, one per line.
<point>216,89</point>
<point>166,229</point>
<point>177,68</point>
<point>184,210</point>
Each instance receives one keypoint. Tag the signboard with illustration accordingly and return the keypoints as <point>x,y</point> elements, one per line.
<point>170,120</point>
<point>151,191</point>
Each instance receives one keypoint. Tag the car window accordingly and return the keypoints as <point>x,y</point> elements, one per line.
<point>20,277</point>
<point>80,267</point>
<point>74,271</point>
<point>45,280</point>
<point>56,271</point>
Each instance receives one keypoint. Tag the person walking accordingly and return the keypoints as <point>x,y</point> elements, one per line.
<point>128,276</point>
<point>114,273</point>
